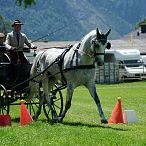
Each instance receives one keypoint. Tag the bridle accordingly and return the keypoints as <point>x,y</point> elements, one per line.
<point>96,42</point>
<point>96,45</point>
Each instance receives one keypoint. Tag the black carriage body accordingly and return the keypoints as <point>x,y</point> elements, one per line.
<point>14,83</point>
<point>4,67</point>
<point>21,72</point>
<point>13,75</point>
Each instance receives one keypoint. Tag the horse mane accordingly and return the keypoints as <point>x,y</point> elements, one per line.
<point>86,40</point>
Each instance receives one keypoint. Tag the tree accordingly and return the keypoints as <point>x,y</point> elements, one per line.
<point>140,23</point>
<point>25,3</point>
<point>2,25</point>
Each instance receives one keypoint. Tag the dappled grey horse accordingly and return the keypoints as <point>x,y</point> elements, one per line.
<point>77,67</point>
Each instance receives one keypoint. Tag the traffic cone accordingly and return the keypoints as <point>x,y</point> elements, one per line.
<point>117,115</point>
<point>25,117</point>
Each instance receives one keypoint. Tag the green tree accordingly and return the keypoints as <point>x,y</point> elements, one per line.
<point>140,23</point>
<point>3,25</point>
<point>26,2</point>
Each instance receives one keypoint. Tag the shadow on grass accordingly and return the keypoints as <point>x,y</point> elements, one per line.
<point>76,124</point>
<point>106,126</point>
<point>17,120</point>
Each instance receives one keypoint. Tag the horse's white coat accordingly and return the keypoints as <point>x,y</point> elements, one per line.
<point>75,77</point>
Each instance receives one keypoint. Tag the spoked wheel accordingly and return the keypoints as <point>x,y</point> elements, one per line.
<point>4,101</point>
<point>56,103</point>
<point>34,107</point>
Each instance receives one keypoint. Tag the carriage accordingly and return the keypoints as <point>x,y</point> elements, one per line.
<point>53,70</point>
<point>16,87</point>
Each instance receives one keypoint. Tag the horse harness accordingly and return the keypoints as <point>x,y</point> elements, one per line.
<point>60,58</point>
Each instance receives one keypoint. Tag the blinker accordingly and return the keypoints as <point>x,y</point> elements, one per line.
<point>108,46</point>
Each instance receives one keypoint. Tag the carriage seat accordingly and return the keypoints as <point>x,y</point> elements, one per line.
<point>4,59</point>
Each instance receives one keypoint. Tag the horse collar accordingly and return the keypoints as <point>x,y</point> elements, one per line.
<point>83,52</point>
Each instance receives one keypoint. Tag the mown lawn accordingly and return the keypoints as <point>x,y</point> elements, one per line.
<point>81,126</point>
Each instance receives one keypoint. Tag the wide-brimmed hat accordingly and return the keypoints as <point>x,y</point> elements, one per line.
<point>16,22</point>
<point>2,35</point>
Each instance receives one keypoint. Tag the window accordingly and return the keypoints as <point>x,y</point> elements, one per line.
<point>133,63</point>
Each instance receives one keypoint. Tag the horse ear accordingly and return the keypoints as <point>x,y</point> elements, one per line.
<point>97,32</point>
<point>108,33</point>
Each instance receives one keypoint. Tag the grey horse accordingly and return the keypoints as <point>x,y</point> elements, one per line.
<point>76,67</point>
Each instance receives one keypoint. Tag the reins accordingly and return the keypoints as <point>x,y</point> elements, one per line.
<point>83,52</point>
<point>59,60</point>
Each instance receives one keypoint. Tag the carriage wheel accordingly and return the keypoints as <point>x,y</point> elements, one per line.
<point>4,101</point>
<point>33,107</point>
<point>56,103</point>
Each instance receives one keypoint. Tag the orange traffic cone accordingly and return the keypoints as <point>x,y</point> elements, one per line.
<point>117,115</point>
<point>25,117</point>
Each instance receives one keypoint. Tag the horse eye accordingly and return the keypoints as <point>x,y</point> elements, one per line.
<point>93,42</point>
<point>103,42</point>
<point>96,44</point>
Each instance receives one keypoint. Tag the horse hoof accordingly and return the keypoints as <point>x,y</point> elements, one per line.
<point>55,120</point>
<point>59,119</point>
<point>104,121</point>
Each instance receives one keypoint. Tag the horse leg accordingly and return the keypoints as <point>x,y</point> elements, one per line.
<point>69,94</point>
<point>92,90</point>
<point>35,116</point>
<point>47,85</point>
<point>32,90</point>
<point>33,87</point>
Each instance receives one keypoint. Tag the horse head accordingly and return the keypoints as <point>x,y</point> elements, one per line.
<point>99,44</point>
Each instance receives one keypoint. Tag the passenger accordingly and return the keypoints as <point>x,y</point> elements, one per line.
<point>3,47</point>
<point>2,39</point>
<point>16,41</point>
<point>3,59</point>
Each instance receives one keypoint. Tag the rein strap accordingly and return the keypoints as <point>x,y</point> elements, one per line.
<point>79,67</point>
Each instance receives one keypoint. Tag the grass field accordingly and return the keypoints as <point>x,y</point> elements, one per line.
<point>81,126</point>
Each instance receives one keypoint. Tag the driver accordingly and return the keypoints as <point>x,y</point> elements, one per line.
<point>16,40</point>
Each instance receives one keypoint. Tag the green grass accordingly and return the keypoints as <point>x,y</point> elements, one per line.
<point>81,126</point>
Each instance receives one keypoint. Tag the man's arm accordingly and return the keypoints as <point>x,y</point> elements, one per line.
<point>7,42</point>
<point>27,42</point>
